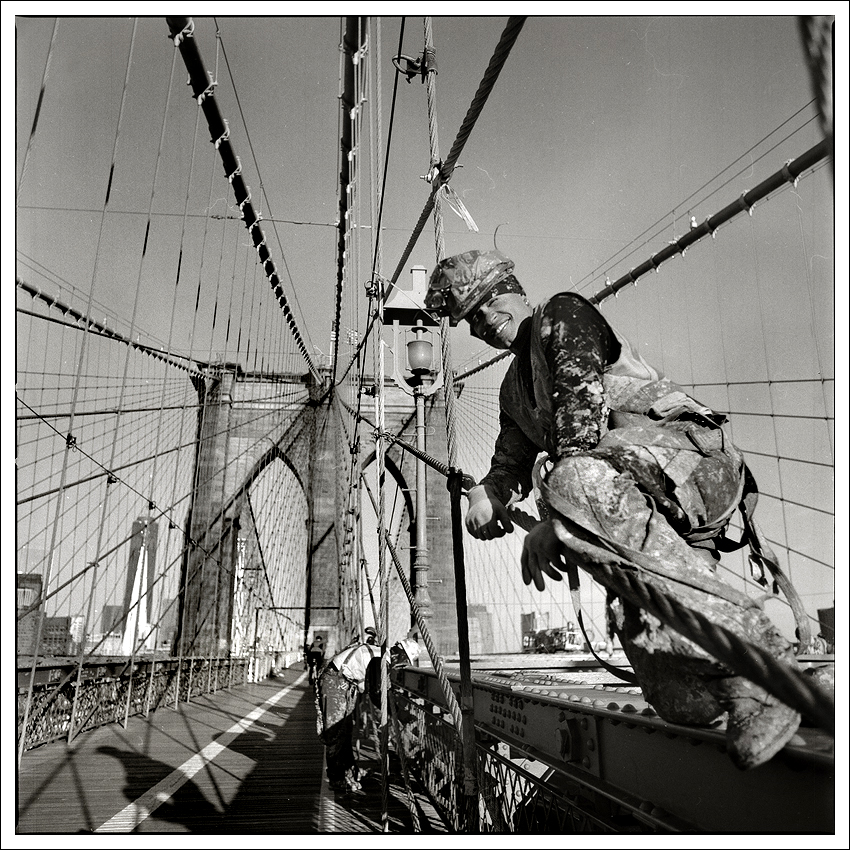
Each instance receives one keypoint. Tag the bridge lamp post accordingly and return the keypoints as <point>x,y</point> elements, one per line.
<point>405,309</point>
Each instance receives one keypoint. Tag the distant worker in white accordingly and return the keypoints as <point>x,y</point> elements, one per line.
<point>341,682</point>
<point>636,467</point>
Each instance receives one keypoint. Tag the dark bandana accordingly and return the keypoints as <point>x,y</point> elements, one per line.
<point>509,284</point>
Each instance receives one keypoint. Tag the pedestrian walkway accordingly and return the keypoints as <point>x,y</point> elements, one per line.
<point>246,760</point>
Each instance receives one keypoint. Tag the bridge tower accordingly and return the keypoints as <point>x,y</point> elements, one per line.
<point>247,423</point>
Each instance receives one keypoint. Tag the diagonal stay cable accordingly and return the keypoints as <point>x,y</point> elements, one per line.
<point>500,55</point>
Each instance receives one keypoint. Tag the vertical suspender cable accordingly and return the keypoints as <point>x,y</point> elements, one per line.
<point>488,81</point>
<point>467,729</point>
<point>38,105</point>
<point>380,448</point>
<point>121,404</point>
<point>70,441</point>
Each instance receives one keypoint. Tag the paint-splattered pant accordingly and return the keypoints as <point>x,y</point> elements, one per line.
<point>642,488</point>
<point>338,702</point>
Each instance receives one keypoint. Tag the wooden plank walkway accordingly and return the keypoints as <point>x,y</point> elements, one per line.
<point>241,761</point>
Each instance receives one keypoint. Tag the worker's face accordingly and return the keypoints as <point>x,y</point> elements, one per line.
<point>497,321</point>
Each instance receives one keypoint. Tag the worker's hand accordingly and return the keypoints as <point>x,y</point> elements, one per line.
<point>486,518</point>
<point>542,553</point>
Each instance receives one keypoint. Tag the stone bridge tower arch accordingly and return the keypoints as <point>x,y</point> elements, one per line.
<point>249,425</point>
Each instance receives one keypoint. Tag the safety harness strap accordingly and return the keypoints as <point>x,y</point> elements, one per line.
<point>619,672</point>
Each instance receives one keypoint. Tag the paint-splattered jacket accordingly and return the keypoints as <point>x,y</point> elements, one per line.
<point>573,378</point>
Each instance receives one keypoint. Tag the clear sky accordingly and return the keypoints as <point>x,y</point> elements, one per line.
<point>600,128</point>
<point>597,128</point>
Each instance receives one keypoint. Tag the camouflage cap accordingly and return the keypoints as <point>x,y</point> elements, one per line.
<point>459,284</point>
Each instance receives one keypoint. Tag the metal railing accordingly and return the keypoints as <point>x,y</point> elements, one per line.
<point>515,792</point>
<point>114,689</point>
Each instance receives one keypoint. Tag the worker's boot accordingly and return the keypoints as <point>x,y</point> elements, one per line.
<point>686,686</point>
<point>758,726</point>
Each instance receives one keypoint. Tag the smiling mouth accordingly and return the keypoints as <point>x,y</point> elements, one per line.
<point>498,330</point>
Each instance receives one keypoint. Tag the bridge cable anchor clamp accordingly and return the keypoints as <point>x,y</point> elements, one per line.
<point>789,177</point>
<point>71,442</point>
<point>237,172</point>
<point>433,175</point>
<point>745,205</point>
<point>209,91</point>
<point>187,32</point>
<point>413,67</point>
<point>225,136</point>
<point>711,230</point>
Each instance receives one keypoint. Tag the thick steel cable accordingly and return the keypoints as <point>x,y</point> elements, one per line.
<point>181,32</point>
<point>756,664</point>
<point>271,218</point>
<point>349,106</point>
<point>93,326</point>
<point>436,658</point>
<point>789,173</point>
<point>500,55</point>
<point>655,229</point>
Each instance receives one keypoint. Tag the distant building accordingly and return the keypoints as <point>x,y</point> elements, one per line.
<point>167,622</point>
<point>826,619</point>
<point>111,621</point>
<point>103,644</point>
<point>57,637</point>
<point>28,587</point>
<point>141,574</point>
<point>480,629</point>
<point>141,567</point>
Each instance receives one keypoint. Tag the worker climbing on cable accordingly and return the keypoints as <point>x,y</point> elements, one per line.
<point>640,478</point>
<point>341,681</point>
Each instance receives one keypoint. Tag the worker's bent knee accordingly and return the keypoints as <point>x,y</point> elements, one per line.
<point>602,500</point>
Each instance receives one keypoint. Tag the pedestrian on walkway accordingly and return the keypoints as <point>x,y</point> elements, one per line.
<point>341,682</point>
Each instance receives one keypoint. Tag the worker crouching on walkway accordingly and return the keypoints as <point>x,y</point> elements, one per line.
<point>341,681</point>
<point>639,472</point>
